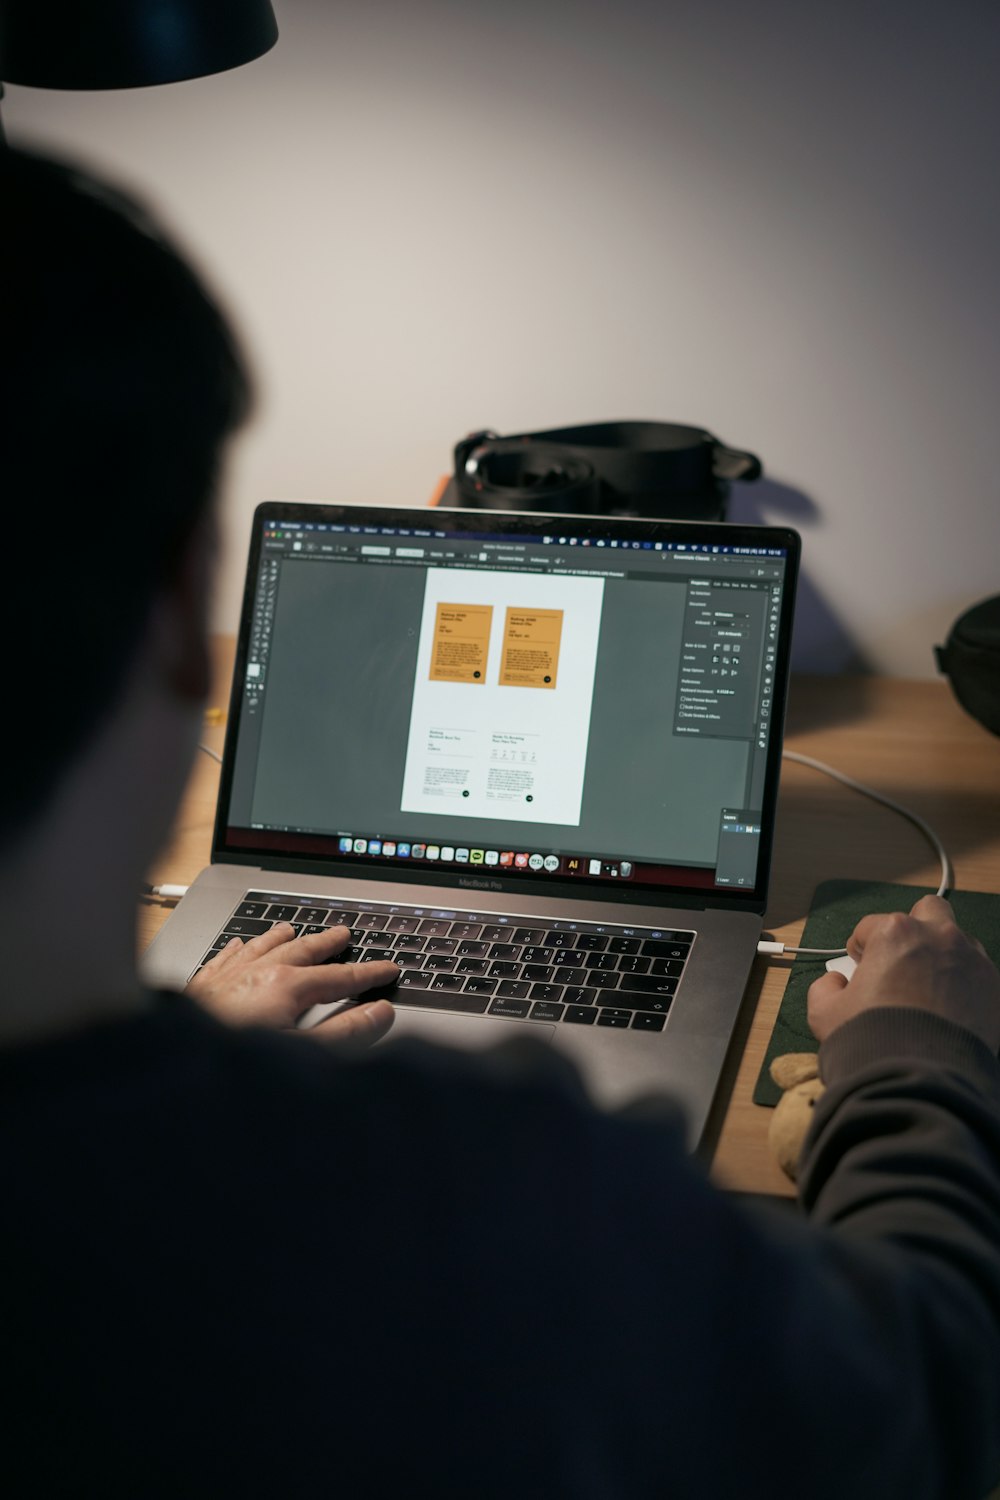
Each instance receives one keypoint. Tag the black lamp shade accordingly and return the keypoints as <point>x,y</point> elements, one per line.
<point>122,44</point>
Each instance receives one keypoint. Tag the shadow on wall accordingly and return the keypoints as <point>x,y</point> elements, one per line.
<point>822,641</point>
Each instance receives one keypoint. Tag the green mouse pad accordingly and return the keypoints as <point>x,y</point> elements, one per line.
<point>837,908</point>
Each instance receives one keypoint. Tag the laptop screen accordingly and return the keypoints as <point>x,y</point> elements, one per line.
<point>489,699</point>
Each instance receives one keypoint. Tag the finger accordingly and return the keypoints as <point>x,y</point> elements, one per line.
<point>362,978</point>
<point>324,984</point>
<point>315,947</point>
<point>826,988</point>
<point>863,934</point>
<point>882,925</point>
<point>821,999</point>
<point>231,948</point>
<point>934,910</point>
<point>321,984</point>
<point>275,937</point>
<point>364,1023</point>
<point>931,911</point>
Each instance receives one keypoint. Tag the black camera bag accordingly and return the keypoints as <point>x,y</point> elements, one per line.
<point>971,659</point>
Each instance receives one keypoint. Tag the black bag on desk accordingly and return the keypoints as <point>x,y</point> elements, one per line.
<point>659,469</point>
<point>971,660</point>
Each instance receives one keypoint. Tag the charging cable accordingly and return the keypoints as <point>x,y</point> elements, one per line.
<point>771,949</point>
<point>164,892</point>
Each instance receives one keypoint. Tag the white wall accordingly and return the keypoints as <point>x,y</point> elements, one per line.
<point>778,220</point>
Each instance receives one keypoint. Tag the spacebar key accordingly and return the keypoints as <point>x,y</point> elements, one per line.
<point>442,1000</point>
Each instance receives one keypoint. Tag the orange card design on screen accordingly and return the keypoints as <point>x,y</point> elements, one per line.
<point>461,643</point>
<point>531,640</point>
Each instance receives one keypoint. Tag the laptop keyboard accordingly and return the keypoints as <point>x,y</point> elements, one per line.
<point>576,973</point>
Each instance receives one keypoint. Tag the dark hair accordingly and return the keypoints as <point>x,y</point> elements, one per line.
<point>119,380</point>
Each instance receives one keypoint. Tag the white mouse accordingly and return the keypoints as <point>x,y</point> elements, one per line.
<point>845,965</point>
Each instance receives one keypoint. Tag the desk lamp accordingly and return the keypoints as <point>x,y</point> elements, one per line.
<point>123,44</point>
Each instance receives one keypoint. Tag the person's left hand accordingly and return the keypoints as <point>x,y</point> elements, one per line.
<point>274,978</point>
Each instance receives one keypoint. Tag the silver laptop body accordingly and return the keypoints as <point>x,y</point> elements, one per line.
<point>541,753</point>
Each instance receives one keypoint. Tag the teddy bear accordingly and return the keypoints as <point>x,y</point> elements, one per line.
<point>798,1074</point>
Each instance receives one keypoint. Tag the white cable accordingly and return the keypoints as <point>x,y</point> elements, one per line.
<point>213,753</point>
<point>867,791</point>
<point>774,949</point>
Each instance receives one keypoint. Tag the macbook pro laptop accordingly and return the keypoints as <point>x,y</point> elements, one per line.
<point>533,759</point>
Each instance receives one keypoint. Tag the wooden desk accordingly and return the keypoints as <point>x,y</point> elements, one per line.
<point>909,740</point>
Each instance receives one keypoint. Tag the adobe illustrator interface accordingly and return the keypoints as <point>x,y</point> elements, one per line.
<point>420,696</point>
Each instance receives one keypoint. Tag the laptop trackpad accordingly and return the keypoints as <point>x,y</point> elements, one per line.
<point>468,1032</point>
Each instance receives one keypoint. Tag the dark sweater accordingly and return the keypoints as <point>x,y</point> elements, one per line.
<point>235,1263</point>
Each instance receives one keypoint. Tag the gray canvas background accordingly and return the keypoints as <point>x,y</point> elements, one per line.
<point>333,733</point>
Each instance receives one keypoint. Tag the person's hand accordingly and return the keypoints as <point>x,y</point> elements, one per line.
<point>273,979</point>
<point>922,960</point>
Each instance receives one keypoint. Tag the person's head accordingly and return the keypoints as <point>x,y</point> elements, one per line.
<point>119,381</point>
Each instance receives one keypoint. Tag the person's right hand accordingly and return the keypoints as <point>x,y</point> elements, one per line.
<point>922,960</point>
